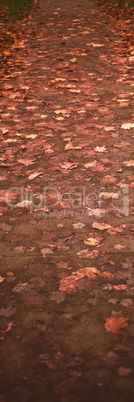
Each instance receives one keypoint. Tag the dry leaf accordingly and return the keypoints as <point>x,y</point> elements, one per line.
<point>86,253</point>
<point>120,287</point>
<point>70,282</point>
<point>31,136</point>
<point>114,323</point>
<point>100,149</point>
<point>129,163</point>
<point>34,175</point>
<point>91,241</point>
<point>101,226</point>
<point>46,250</point>
<point>26,162</point>
<point>24,204</point>
<point>119,246</point>
<point>68,146</point>
<point>68,165</point>
<point>78,225</point>
<point>127,126</point>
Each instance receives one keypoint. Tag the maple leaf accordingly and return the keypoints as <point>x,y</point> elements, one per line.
<point>114,323</point>
<point>1,279</point>
<point>86,253</point>
<point>70,282</point>
<point>68,165</point>
<point>101,226</point>
<point>26,162</point>
<point>91,241</point>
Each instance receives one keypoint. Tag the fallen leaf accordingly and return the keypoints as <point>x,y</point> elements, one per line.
<point>31,136</point>
<point>68,146</point>
<point>73,60</point>
<point>101,226</point>
<point>1,279</point>
<point>127,126</point>
<point>96,44</point>
<point>60,118</point>
<point>9,326</point>
<point>119,246</point>
<point>129,163</point>
<point>120,287</point>
<point>11,140</point>
<point>26,162</point>
<point>68,165</point>
<point>19,249</point>
<point>91,241</point>
<point>78,225</point>
<point>24,204</point>
<point>122,100</point>
<point>70,282</point>
<point>109,128</point>
<point>114,323</point>
<point>46,250</point>
<point>100,149</point>
<point>34,175</point>
<point>86,253</point>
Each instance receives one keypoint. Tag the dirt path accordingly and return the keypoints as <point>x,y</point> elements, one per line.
<point>66,211</point>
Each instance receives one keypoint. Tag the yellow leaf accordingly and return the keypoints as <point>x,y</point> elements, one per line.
<point>31,136</point>
<point>122,100</point>
<point>91,241</point>
<point>60,118</point>
<point>10,140</point>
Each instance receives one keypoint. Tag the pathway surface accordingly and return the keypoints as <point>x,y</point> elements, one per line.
<point>66,211</point>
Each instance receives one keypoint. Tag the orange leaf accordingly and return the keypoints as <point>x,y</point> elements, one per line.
<point>120,287</point>
<point>114,323</point>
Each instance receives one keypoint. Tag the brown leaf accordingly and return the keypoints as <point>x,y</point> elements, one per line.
<point>26,162</point>
<point>101,226</point>
<point>34,175</point>
<point>68,165</point>
<point>68,146</point>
